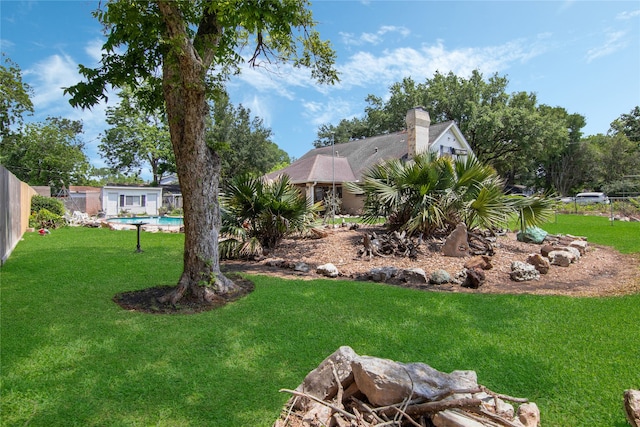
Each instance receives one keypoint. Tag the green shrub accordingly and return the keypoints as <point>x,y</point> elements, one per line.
<point>44,218</point>
<point>257,215</point>
<point>51,204</point>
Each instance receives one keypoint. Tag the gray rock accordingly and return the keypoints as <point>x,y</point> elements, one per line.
<point>580,245</point>
<point>561,258</point>
<point>386,382</point>
<point>383,274</point>
<point>522,272</point>
<point>439,277</point>
<point>302,267</point>
<point>328,270</point>
<point>413,275</point>
<point>321,382</point>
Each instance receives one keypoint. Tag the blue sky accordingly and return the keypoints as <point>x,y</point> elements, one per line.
<point>580,55</point>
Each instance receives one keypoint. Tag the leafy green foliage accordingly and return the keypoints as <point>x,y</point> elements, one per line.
<point>432,194</point>
<point>44,218</point>
<point>53,205</point>
<point>49,153</point>
<point>137,137</point>
<point>15,99</point>
<point>258,214</point>
<point>243,141</point>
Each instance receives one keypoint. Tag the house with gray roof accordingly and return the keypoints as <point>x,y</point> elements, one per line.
<point>321,169</point>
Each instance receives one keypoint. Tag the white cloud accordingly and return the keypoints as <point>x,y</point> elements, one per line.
<point>365,68</point>
<point>373,38</point>
<point>6,44</point>
<point>628,15</point>
<point>49,77</point>
<point>94,49</point>
<point>259,108</point>
<point>330,110</point>
<point>614,42</point>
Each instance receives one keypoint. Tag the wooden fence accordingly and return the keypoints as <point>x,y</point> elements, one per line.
<point>15,207</point>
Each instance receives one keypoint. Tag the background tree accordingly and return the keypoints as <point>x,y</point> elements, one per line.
<point>244,142</point>
<point>49,153</point>
<point>197,45</point>
<point>137,138</point>
<point>510,132</point>
<point>15,102</point>
<point>99,177</point>
<point>628,124</point>
<point>15,97</point>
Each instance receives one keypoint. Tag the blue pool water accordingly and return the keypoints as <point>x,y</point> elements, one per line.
<point>151,220</point>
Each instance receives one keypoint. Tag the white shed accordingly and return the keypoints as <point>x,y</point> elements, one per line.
<point>132,200</point>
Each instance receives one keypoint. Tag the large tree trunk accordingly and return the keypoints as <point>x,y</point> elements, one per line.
<point>198,168</point>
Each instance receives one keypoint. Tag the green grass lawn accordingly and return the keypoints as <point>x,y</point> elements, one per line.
<point>72,357</point>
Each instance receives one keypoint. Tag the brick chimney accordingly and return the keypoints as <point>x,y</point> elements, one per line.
<point>418,122</point>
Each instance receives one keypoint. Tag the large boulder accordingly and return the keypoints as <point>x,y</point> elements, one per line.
<point>561,258</point>
<point>386,382</point>
<point>531,235</point>
<point>632,407</point>
<point>457,243</point>
<point>321,382</point>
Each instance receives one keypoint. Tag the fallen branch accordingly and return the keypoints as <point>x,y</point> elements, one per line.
<point>320,401</point>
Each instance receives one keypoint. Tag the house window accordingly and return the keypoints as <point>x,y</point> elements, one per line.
<point>133,201</point>
<point>323,191</point>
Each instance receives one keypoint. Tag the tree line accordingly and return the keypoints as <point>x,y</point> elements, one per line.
<point>531,144</point>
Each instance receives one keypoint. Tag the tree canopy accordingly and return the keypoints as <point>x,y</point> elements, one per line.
<point>509,131</point>
<point>243,141</point>
<point>49,153</point>
<point>137,138</point>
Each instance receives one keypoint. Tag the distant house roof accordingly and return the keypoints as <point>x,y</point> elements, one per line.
<point>317,168</point>
<point>353,158</point>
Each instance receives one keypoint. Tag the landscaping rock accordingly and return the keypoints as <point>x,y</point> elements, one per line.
<point>474,279</point>
<point>321,381</point>
<point>386,382</point>
<point>522,272</point>
<point>561,258</point>
<point>529,414</point>
<point>632,407</point>
<point>540,263</point>
<point>439,277</point>
<point>302,267</point>
<point>328,270</point>
<point>532,235</point>
<point>413,275</point>
<point>457,244</point>
<point>545,249</point>
<point>482,262</point>
<point>580,245</point>
<point>383,274</point>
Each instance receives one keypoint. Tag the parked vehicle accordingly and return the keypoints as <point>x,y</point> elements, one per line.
<point>591,198</point>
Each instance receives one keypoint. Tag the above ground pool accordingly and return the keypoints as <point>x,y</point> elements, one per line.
<point>151,220</point>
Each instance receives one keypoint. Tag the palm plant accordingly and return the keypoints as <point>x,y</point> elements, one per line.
<point>257,215</point>
<point>431,195</point>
